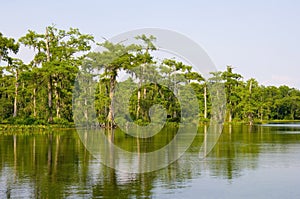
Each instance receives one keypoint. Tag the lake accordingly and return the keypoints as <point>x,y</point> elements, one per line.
<point>262,161</point>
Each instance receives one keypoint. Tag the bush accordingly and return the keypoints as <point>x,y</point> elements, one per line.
<point>60,121</point>
<point>40,122</point>
<point>22,121</point>
<point>29,121</point>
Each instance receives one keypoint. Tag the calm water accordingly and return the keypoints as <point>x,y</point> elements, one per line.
<point>257,162</point>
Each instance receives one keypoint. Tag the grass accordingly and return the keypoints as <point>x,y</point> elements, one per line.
<point>21,127</point>
<point>47,127</point>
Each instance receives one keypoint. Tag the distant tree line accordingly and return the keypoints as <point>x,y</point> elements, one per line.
<point>41,92</point>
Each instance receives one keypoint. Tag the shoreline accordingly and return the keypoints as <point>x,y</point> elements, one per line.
<point>18,127</point>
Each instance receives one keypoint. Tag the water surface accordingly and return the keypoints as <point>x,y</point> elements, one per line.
<point>247,162</point>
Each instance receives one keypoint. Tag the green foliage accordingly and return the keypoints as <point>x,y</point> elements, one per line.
<point>7,45</point>
<point>61,121</point>
<point>40,92</point>
<point>52,71</point>
<point>23,120</point>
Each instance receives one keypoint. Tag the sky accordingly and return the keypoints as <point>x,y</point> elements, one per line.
<point>259,39</point>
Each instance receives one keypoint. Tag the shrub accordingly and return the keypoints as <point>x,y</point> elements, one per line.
<point>61,121</point>
<point>22,121</point>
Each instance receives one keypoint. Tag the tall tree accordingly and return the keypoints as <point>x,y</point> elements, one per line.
<point>111,61</point>
<point>16,68</point>
<point>194,76</point>
<point>250,100</point>
<point>8,45</point>
<point>143,59</point>
<point>174,73</point>
<point>232,81</point>
<point>57,55</point>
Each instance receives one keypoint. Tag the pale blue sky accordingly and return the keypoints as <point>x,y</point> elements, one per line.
<point>260,39</point>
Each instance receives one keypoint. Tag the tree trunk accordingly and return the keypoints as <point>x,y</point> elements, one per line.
<point>230,116</point>
<point>34,102</point>
<point>205,101</point>
<point>50,119</point>
<point>16,96</point>
<point>110,117</point>
<point>292,113</point>
<point>106,93</point>
<point>261,111</point>
<point>86,114</point>
<point>145,93</point>
<point>139,94</point>
<point>57,101</point>
<point>250,118</point>
<point>138,104</point>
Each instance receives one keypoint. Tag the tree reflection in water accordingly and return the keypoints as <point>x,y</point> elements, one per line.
<point>56,164</point>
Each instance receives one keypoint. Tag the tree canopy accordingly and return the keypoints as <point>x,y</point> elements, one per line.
<point>40,92</point>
